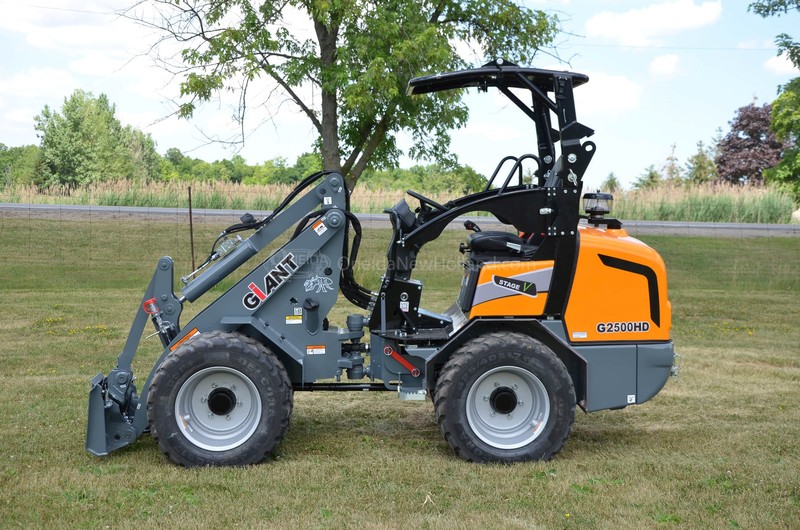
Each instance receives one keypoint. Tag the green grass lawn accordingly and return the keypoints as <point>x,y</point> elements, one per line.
<point>718,448</point>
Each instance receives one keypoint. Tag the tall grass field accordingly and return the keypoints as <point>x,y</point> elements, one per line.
<point>719,447</point>
<point>703,203</point>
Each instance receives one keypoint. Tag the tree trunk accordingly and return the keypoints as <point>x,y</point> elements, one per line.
<point>326,37</point>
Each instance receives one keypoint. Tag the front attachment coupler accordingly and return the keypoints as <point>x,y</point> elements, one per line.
<point>164,329</point>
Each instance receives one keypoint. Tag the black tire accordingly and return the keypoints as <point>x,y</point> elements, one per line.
<point>505,397</point>
<point>221,399</point>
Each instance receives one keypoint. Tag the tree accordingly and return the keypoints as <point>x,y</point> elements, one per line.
<point>700,168</point>
<point>651,178</point>
<point>785,43</point>
<point>19,165</point>
<point>86,143</point>
<point>611,184</point>
<point>749,148</point>
<point>672,169</point>
<point>785,113</point>
<point>786,125</point>
<point>308,163</point>
<point>142,162</point>
<point>355,56</point>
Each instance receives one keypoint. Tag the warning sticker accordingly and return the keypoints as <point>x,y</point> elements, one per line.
<point>298,311</point>
<point>294,319</point>
<point>319,227</point>
<point>315,350</point>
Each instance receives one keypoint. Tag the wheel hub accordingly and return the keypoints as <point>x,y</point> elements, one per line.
<point>221,401</point>
<point>503,400</point>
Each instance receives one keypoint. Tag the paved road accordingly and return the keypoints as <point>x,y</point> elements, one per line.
<point>71,212</point>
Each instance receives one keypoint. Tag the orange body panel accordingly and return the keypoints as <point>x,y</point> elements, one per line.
<point>495,296</point>
<point>619,292</point>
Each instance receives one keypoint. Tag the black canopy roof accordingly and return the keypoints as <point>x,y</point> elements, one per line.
<point>494,74</point>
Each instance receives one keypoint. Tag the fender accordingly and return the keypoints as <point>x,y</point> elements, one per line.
<point>545,332</point>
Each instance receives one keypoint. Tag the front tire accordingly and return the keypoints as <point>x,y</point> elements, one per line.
<point>505,397</point>
<point>221,399</point>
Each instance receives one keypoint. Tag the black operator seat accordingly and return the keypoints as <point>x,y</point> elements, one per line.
<point>495,243</point>
<point>402,218</point>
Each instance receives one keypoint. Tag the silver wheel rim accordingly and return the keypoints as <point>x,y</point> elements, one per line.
<point>508,407</point>
<point>218,408</point>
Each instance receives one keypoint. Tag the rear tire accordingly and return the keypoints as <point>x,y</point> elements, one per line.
<point>221,399</point>
<point>505,397</point>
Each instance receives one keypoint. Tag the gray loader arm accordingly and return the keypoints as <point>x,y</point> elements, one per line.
<point>116,416</point>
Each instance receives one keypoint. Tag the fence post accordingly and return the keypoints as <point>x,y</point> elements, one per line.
<point>191,228</point>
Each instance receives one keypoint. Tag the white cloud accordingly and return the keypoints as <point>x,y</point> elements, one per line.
<point>491,132</point>
<point>39,83</point>
<point>607,94</point>
<point>100,64</point>
<point>664,65</point>
<point>20,116</point>
<point>780,65</point>
<point>645,26</point>
<point>756,44</point>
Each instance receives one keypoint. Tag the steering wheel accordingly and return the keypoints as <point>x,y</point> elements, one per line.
<point>426,201</point>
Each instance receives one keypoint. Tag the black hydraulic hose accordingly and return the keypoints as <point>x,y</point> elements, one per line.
<point>355,293</point>
<point>304,221</point>
<point>295,192</point>
<point>352,290</point>
<point>240,227</point>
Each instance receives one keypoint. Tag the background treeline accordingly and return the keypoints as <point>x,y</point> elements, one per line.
<point>84,145</point>
<point>24,166</point>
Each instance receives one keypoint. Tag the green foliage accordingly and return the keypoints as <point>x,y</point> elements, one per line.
<point>786,125</point>
<point>785,113</point>
<point>308,163</point>
<point>785,43</point>
<point>142,160</point>
<point>611,184</point>
<point>672,169</point>
<point>176,166</point>
<point>700,168</point>
<point>649,179</point>
<point>358,62</point>
<point>433,178</point>
<point>786,175</point>
<point>85,143</point>
<point>19,165</point>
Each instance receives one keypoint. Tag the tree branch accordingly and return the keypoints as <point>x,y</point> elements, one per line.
<point>292,94</point>
<point>371,145</point>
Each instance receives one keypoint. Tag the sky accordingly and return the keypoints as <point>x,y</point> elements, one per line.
<point>662,74</point>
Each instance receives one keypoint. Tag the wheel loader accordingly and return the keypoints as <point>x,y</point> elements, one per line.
<point>559,310</point>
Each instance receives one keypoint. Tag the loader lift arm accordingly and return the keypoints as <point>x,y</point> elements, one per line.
<point>116,416</point>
